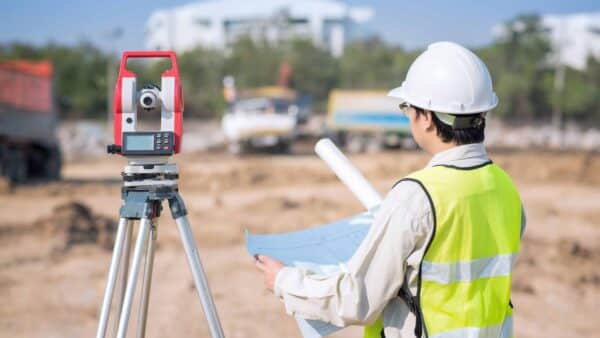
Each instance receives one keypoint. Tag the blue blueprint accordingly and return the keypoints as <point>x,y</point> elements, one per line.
<point>319,249</point>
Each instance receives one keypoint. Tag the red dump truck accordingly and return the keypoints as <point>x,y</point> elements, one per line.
<point>29,148</point>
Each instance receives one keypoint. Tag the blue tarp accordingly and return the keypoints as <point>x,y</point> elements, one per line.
<point>374,119</point>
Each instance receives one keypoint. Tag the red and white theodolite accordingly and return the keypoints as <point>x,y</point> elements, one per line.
<point>168,99</point>
<point>148,180</point>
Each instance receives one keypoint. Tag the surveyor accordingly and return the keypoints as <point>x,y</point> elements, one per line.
<point>438,259</point>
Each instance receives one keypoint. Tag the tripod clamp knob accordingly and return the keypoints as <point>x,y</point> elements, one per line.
<point>113,149</point>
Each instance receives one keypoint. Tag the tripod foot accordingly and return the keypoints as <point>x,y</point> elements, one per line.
<point>113,272</point>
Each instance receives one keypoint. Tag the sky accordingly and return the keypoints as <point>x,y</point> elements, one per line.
<point>410,24</point>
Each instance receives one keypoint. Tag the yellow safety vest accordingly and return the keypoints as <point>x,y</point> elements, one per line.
<point>465,275</point>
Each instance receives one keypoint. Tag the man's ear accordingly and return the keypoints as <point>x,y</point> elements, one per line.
<point>428,120</point>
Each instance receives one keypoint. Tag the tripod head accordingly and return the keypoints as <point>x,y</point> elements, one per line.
<point>147,147</point>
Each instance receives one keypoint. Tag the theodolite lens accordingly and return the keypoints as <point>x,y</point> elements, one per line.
<point>150,97</point>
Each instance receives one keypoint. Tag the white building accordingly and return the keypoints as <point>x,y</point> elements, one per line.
<point>574,37</point>
<point>217,23</point>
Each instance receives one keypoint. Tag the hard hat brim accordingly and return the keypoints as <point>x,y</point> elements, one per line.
<point>397,94</point>
<point>400,93</point>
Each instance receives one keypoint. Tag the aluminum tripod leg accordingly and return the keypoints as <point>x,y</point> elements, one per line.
<point>200,281</point>
<point>124,273</point>
<point>112,277</point>
<point>140,244</point>
<point>147,282</point>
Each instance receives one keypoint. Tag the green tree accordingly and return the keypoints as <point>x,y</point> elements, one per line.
<point>581,97</point>
<point>253,63</point>
<point>201,76</point>
<point>367,64</point>
<point>314,71</point>
<point>517,61</point>
<point>79,75</point>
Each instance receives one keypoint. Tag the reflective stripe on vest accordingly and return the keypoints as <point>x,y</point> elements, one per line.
<point>446,273</point>
<point>503,330</point>
<point>464,277</point>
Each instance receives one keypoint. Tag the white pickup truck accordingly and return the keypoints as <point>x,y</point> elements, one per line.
<point>260,122</point>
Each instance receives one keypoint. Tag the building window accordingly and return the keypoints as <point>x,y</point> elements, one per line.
<point>202,22</point>
<point>594,30</point>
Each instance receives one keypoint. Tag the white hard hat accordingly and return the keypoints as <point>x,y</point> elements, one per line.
<point>448,78</point>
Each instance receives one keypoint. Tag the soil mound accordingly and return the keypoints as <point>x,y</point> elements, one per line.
<point>74,223</point>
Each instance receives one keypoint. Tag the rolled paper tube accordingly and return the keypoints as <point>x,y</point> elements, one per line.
<point>347,173</point>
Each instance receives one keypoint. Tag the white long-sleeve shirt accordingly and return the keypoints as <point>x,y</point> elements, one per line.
<point>368,283</point>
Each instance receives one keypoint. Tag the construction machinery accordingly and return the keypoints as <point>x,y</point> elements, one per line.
<point>29,147</point>
<point>362,120</point>
<point>265,117</point>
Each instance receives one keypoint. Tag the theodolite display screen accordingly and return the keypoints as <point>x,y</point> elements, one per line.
<point>147,143</point>
<point>140,142</point>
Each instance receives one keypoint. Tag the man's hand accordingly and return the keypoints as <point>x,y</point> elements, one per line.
<point>270,267</point>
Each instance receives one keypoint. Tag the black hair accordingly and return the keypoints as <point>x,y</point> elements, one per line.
<point>473,134</point>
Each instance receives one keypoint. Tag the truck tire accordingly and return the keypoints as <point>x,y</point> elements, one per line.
<point>409,143</point>
<point>16,166</point>
<point>356,143</point>
<point>339,137</point>
<point>53,164</point>
<point>374,143</point>
<point>237,148</point>
<point>284,146</point>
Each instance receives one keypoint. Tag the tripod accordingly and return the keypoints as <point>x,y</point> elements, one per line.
<point>145,187</point>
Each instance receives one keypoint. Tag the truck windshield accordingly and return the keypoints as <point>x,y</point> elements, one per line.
<point>263,105</point>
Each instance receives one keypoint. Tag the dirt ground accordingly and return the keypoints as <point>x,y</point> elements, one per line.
<point>55,242</point>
